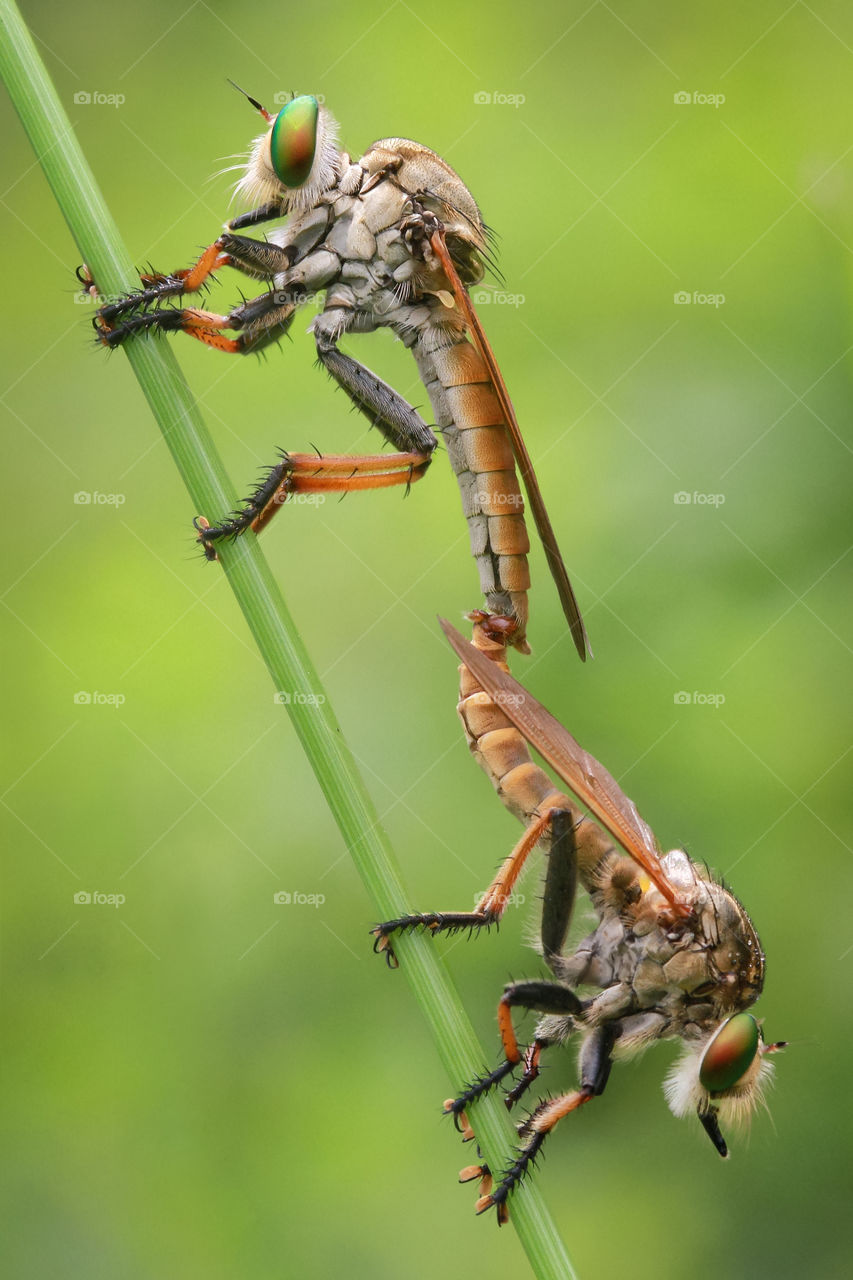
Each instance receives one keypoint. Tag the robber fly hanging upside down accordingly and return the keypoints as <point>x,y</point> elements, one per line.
<point>673,955</point>
<point>393,240</point>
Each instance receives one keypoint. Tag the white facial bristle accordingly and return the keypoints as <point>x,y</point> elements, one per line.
<point>685,1093</point>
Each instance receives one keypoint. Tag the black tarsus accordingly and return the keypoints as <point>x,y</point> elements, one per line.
<point>516,1172</point>
<point>436,922</point>
<point>477,1088</point>
<point>240,519</point>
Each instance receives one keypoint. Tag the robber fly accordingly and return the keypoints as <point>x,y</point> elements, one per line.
<point>393,240</point>
<point>673,955</point>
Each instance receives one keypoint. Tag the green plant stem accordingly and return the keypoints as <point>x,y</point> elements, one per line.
<point>260,599</point>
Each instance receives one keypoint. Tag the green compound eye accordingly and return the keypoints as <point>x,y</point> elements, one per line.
<point>294,140</point>
<point>730,1054</point>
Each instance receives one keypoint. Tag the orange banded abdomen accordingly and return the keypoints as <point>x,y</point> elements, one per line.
<point>501,751</point>
<point>469,417</point>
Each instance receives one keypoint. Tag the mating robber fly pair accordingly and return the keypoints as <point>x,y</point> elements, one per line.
<point>395,240</point>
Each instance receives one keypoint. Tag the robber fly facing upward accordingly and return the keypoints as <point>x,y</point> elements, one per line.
<point>393,240</point>
<point>673,955</point>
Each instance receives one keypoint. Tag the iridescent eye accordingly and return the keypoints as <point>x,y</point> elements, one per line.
<point>730,1053</point>
<point>293,141</point>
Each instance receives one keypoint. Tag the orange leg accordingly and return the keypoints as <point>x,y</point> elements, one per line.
<point>595,1063</point>
<point>309,473</point>
<point>255,324</point>
<point>190,279</point>
<point>488,910</point>
<point>256,258</point>
<point>544,996</point>
<point>258,322</point>
<point>536,1130</point>
<point>494,900</point>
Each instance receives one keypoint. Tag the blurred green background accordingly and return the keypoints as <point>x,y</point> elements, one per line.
<point>200,1082</point>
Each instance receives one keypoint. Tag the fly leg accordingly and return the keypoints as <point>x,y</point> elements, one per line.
<point>456,1107</point>
<point>157,287</point>
<point>596,1061</point>
<point>301,473</point>
<point>530,1072</point>
<point>256,258</point>
<point>263,213</point>
<point>488,910</point>
<point>257,323</point>
<point>545,996</point>
<point>398,422</point>
<point>558,902</point>
<point>384,408</point>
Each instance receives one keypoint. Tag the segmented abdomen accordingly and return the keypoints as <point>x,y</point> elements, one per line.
<point>503,754</point>
<point>469,417</point>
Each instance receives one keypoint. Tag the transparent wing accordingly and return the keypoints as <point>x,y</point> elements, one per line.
<point>588,780</point>
<point>522,457</point>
